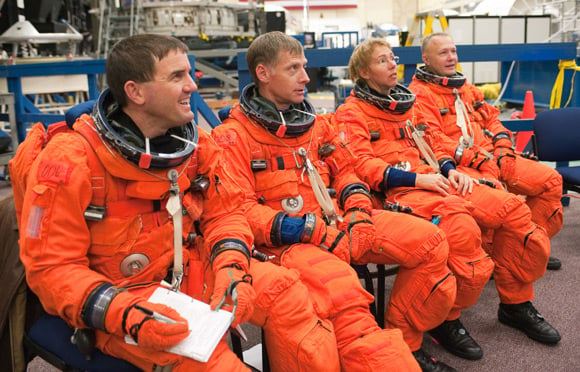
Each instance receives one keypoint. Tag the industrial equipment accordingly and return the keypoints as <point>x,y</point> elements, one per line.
<point>201,24</point>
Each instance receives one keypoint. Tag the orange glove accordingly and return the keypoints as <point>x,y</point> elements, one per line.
<point>149,325</point>
<point>484,164</point>
<point>357,222</point>
<point>504,156</point>
<point>318,233</point>
<point>337,242</point>
<point>232,280</point>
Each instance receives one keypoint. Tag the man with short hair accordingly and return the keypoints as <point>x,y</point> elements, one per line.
<point>469,131</point>
<point>290,161</point>
<point>472,132</point>
<point>136,194</point>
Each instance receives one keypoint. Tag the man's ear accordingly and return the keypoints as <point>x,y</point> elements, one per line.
<point>263,73</point>
<point>425,59</point>
<point>134,93</point>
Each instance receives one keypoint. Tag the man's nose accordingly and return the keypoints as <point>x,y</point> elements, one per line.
<point>305,76</point>
<point>191,85</point>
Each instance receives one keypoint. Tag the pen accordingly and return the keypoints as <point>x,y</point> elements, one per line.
<point>237,330</point>
<point>155,315</point>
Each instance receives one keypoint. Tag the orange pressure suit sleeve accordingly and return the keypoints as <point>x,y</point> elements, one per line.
<point>501,136</point>
<point>351,121</point>
<point>235,141</point>
<point>342,162</point>
<point>55,238</point>
<point>490,114</point>
<point>226,231</point>
<point>223,219</point>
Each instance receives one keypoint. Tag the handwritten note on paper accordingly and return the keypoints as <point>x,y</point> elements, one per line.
<point>207,326</point>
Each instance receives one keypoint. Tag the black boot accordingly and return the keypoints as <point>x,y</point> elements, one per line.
<point>453,336</point>
<point>554,263</point>
<point>526,318</point>
<point>430,364</point>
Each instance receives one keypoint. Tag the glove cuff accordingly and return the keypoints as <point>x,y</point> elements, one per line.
<point>230,258</point>
<point>353,189</point>
<point>446,165</point>
<point>361,202</point>
<point>276,229</point>
<point>502,139</point>
<point>229,245</point>
<point>314,229</point>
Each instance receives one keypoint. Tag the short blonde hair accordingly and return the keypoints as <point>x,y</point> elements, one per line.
<point>361,57</point>
<point>428,38</point>
<point>266,48</point>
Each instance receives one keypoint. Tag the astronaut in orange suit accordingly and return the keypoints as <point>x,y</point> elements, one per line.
<point>286,158</point>
<point>100,225</point>
<point>400,160</point>
<point>472,132</point>
<point>385,132</point>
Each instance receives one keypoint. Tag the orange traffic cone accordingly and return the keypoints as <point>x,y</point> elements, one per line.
<point>528,112</point>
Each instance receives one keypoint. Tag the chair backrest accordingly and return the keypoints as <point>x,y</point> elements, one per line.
<point>224,112</point>
<point>557,134</point>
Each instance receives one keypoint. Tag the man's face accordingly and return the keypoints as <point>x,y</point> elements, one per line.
<point>440,56</point>
<point>285,83</point>
<point>381,74</point>
<point>167,96</point>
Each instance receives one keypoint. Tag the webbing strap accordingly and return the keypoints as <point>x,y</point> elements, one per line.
<point>556,96</point>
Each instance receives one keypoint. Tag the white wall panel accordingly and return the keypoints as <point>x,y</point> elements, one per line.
<point>512,30</point>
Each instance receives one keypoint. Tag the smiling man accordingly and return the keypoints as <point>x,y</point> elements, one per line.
<point>99,236</point>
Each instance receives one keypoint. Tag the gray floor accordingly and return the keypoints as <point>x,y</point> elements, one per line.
<point>557,298</point>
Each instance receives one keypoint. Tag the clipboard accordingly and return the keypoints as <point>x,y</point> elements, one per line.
<point>207,326</point>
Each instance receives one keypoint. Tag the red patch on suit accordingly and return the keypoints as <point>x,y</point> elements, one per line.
<point>145,161</point>
<point>52,171</point>
<point>226,139</point>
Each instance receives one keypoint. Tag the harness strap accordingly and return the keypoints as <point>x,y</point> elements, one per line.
<point>462,121</point>
<point>423,146</point>
<point>286,161</point>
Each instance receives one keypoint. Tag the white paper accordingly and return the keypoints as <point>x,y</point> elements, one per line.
<point>207,326</point>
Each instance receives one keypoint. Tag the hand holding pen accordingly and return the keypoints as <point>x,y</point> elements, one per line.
<point>155,326</point>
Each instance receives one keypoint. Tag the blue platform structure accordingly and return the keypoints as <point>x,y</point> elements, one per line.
<point>27,113</point>
<point>543,53</point>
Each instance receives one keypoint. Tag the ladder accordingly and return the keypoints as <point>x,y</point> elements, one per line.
<point>116,23</point>
<point>418,20</point>
<point>427,19</point>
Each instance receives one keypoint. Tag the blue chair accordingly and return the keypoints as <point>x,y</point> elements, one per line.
<point>50,339</point>
<point>224,112</point>
<point>557,138</point>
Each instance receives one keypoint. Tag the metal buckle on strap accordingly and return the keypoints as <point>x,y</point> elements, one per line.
<point>258,165</point>
<point>300,154</point>
<point>94,213</point>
